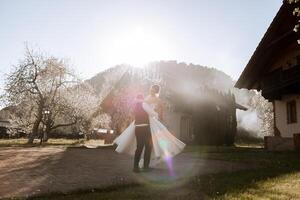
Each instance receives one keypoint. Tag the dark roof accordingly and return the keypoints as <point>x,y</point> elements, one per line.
<point>5,123</point>
<point>279,35</point>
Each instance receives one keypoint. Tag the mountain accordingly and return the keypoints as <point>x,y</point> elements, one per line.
<point>104,82</point>
<point>171,75</point>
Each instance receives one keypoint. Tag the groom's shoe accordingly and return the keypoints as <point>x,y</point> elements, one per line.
<point>147,169</point>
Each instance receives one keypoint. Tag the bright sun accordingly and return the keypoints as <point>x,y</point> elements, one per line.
<point>137,48</point>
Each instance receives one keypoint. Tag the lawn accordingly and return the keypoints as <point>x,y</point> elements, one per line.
<point>22,142</point>
<point>277,177</point>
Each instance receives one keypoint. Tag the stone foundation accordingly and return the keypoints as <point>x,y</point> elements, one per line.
<point>276,143</point>
<point>297,141</point>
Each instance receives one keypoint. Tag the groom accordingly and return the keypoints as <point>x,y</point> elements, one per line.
<point>143,135</point>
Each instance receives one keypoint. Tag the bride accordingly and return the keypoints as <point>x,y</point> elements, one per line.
<point>147,134</point>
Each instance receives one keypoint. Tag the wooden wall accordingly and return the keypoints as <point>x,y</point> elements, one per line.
<point>287,55</point>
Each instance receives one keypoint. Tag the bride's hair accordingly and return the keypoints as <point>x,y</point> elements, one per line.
<point>155,88</point>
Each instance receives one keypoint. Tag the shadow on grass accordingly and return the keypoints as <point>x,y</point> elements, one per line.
<point>273,167</point>
<point>73,162</point>
<point>110,192</point>
<point>129,192</point>
<point>242,182</point>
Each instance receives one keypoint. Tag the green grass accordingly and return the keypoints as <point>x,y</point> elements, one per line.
<point>22,142</point>
<point>130,192</point>
<point>238,154</point>
<point>267,183</point>
<point>277,177</point>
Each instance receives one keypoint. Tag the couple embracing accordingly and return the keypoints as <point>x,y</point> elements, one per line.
<point>146,135</point>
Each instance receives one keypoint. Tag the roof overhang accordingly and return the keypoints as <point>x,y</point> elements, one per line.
<point>279,34</point>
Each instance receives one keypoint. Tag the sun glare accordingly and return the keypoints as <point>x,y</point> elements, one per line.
<point>137,47</point>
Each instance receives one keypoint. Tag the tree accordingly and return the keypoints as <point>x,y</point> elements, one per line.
<point>39,82</point>
<point>101,121</point>
<point>80,105</point>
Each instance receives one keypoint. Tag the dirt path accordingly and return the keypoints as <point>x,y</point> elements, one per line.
<point>29,171</point>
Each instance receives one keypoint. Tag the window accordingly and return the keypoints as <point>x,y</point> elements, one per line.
<point>298,60</point>
<point>291,112</point>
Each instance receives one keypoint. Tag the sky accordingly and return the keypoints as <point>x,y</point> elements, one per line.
<point>94,35</point>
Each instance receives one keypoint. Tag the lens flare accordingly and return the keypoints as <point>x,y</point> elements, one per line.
<point>163,144</point>
<point>169,162</point>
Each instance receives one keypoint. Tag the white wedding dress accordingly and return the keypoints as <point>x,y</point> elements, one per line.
<point>165,145</point>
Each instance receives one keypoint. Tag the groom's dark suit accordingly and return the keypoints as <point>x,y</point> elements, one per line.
<point>143,135</point>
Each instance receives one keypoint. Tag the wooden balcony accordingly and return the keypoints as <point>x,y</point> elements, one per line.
<point>281,82</point>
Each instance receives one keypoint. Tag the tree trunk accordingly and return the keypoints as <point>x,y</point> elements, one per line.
<point>35,128</point>
<point>34,131</point>
<point>46,134</point>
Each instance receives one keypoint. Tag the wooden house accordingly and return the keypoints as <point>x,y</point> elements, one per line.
<point>274,69</point>
<point>4,122</point>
